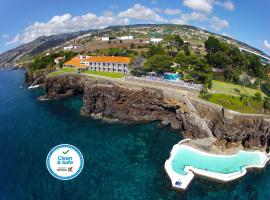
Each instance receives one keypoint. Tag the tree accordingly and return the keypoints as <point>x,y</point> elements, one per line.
<point>196,67</point>
<point>178,42</point>
<point>255,67</point>
<point>174,42</point>
<point>219,60</point>
<point>266,103</point>
<point>132,46</point>
<point>204,93</point>
<point>155,50</point>
<point>186,48</point>
<point>169,39</point>
<point>228,73</point>
<point>258,96</point>
<point>213,45</point>
<point>159,63</point>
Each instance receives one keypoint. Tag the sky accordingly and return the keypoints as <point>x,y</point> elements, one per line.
<point>24,21</point>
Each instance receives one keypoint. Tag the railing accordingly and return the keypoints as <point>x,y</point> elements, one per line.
<point>163,82</point>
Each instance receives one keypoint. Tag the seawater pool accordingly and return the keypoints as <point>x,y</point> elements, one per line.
<point>214,163</point>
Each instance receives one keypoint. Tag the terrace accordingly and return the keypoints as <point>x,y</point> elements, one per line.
<point>175,83</point>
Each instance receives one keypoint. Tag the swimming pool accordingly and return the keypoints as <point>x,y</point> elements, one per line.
<point>186,161</point>
<point>171,76</point>
<point>214,163</point>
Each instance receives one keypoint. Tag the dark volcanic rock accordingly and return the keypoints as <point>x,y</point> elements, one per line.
<point>105,99</point>
<point>251,130</point>
<point>128,105</point>
<point>37,76</point>
<point>64,86</point>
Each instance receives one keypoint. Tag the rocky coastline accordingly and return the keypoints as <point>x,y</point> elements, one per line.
<point>107,99</point>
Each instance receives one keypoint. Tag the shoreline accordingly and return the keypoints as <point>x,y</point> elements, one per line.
<point>124,100</point>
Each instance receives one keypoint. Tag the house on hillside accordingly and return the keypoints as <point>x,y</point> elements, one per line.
<point>129,37</point>
<point>58,60</point>
<point>115,64</point>
<point>105,38</point>
<point>70,47</point>
<point>156,40</point>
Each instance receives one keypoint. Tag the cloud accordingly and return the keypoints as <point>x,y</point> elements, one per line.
<point>5,36</point>
<point>218,24</point>
<point>67,23</point>
<point>169,11</point>
<point>267,44</point>
<point>15,40</point>
<point>194,16</point>
<point>178,21</point>
<point>204,6</point>
<point>228,5</point>
<point>185,18</point>
<point>140,12</point>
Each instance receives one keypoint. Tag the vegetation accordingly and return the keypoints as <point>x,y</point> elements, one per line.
<point>107,74</point>
<point>233,89</point>
<point>241,104</point>
<point>62,71</point>
<point>195,67</point>
<point>160,63</point>
<point>174,55</point>
<point>46,61</point>
<point>67,70</point>
<point>115,52</point>
<point>234,63</point>
<point>174,42</point>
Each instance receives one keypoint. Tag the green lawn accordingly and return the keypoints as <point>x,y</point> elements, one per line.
<point>107,74</point>
<point>231,102</point>
<point>88,72</point>
<point>62,71</point>
<point>233,89</point>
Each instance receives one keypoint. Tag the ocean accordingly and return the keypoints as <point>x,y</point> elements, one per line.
<point>122,161</point>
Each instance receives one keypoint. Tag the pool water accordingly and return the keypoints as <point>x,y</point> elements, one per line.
<point>214,163</point>
<point>171,77</point>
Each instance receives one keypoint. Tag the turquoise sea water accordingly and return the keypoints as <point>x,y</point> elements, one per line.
<point>217,164</point>
<point>121,161</point>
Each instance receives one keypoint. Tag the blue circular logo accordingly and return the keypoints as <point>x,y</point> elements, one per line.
<point>65,162</point>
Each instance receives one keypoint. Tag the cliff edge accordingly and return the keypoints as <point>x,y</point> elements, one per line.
<point>196,120</point>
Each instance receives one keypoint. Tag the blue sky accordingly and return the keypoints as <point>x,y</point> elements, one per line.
<point>23,21</point>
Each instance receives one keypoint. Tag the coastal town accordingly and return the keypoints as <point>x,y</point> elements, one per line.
<point>135,100</point>
<point>186,79</point>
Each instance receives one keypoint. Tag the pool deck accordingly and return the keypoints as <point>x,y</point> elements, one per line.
<point>182,181</point>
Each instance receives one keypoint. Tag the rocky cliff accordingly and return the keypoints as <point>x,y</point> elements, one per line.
<point>110,100</point>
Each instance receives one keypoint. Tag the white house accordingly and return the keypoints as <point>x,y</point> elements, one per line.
<point>105,38</point>
<point>129,37</point>
<point>58,60</point>
<point>156,40</point>
<point>70,47</point>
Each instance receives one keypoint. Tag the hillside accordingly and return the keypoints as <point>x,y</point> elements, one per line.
<point>37,46</point>
<point>195,36</point>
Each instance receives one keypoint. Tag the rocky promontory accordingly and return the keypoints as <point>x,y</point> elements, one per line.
<point>109,99</point>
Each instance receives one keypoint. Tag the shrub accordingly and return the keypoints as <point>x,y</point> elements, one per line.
<point>266,103</point>
<point>258,96</point>
<point>204,93</point>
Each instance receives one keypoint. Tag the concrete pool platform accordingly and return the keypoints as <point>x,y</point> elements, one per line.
<point>187,161</point>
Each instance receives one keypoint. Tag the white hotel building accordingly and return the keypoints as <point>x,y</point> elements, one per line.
<point>114,64</point>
